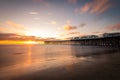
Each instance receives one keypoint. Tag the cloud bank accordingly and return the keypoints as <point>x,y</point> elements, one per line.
<point>95,7</point>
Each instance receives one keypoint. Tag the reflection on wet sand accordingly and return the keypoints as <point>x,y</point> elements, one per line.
<point>42,61</point>
<point>29,54</point>
<point>17,69</point>
<point>33,62</point>
<point>84,51</point>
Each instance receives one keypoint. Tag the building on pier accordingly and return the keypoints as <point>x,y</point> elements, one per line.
<point>111,34</point>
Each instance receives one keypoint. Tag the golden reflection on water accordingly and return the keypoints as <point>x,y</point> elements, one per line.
<point>29,53</point>
<point>37,61</point>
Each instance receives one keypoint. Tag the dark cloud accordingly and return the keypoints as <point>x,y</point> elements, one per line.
<point>10,36</point>
<point>82,25</point>
<point>96,32</point>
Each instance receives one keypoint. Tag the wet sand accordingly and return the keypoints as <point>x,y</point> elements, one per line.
<point>89,70</point>
<point>94,68</point>
<point>75,67</point>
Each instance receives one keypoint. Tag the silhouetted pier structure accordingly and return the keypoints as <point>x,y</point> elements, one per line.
<point>103,41</point>
<point>113,41</point>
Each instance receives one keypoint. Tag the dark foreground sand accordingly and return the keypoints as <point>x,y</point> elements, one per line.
<point>89,70</point>
<point>67,63</point>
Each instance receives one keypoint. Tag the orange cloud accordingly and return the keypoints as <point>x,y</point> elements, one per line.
<point>95,7</point>
<point>4,29</point>
<point>72,1</point>
<point>85,8</point>
<point>15,25</point>
<point>114,27</point>
<point>100,6</point>
<point>69,27</point>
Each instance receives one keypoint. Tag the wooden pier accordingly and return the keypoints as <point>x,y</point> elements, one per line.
<point>100,41</point>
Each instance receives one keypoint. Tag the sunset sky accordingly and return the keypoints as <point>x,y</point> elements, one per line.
<point>59,18</point>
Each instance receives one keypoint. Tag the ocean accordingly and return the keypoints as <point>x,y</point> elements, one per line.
<point>59,62</point>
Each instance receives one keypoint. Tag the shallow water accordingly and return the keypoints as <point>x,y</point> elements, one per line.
<point>20,62</point>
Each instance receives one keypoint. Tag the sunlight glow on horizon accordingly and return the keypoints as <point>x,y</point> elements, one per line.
<point>6,42</point>
<point>30,42</point>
